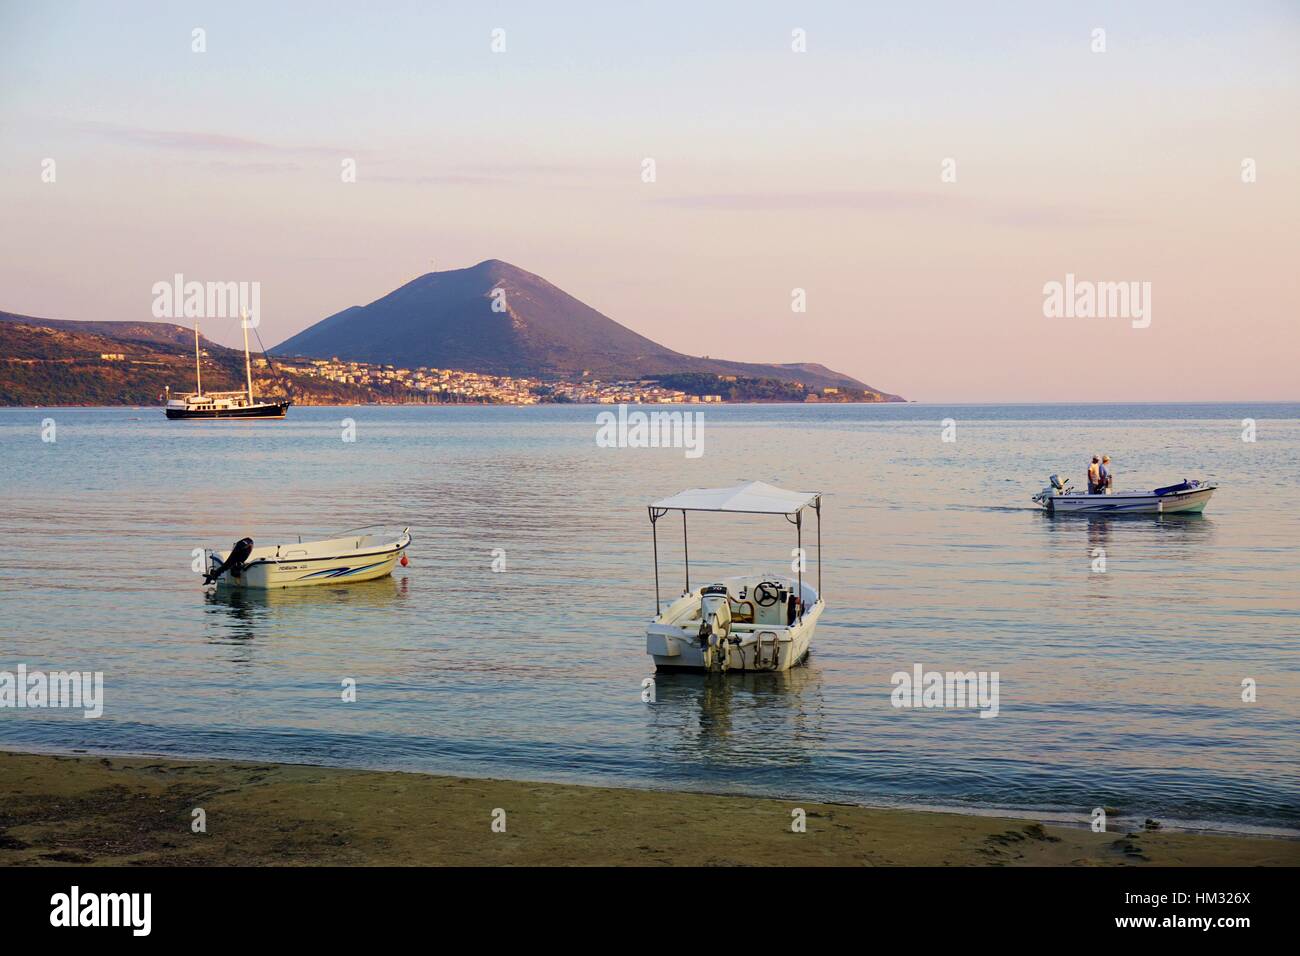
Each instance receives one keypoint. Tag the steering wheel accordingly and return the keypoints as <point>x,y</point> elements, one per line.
<point>767,593</point>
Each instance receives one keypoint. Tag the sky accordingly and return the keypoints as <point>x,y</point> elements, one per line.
<point>829,170</point>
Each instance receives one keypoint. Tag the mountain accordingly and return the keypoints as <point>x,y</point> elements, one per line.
<point>447,320</point>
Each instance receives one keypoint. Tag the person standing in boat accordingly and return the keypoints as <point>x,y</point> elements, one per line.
<point>1105,475</point>
<point>1094,476</point>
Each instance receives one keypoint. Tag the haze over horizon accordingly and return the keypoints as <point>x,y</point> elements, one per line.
<point>775,170</point>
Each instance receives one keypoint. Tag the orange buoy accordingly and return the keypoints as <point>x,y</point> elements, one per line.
<point>404,561</point>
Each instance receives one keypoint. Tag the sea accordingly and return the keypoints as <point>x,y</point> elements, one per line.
<point>1145,665</point>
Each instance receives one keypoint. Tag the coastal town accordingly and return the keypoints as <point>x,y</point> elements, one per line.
<point>44,362</point>
<point>455,385</point>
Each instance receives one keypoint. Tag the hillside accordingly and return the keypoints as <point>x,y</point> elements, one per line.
<point>55,362</point>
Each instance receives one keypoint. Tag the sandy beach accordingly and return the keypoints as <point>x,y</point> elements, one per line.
<point>93,810</point>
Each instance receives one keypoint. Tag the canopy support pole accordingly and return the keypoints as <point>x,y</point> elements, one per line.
<point>686,546</point>
<point>654,534</point>
<point>818,505</point>
<point>798,536</point>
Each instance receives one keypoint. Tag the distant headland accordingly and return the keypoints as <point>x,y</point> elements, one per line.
<point>492,334</point>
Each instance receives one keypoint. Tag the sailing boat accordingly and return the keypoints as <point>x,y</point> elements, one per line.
<point>223,404</point>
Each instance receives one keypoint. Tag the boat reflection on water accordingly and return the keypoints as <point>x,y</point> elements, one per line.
<point>1098,534</point>
<point>736,719</point>
<point>1089,550</point>
<point>1189,532</point>
<point>240,614</point>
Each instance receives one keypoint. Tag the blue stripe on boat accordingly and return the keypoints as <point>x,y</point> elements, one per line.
<point>340,572</point>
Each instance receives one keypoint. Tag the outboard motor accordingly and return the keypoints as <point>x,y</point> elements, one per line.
<point>715,615</point>
<point>1055,487</point>
<point>234,562</point>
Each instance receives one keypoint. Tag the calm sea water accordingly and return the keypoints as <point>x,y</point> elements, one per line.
<point>1120,688</point>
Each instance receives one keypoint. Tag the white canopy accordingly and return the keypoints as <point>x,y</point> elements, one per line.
<point>754,497</point>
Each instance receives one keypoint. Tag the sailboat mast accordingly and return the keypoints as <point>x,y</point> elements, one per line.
<point>198,373</point>
<point>248,362</point>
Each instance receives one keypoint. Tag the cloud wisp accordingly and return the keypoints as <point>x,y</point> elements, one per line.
<point>200,141</point>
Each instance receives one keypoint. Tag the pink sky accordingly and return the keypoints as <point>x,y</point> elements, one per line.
<point>775,170</point>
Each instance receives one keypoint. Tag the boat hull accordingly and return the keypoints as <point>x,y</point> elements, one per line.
<point>284,569</point>
<point>261,410</point>
<point>1182,502</point>
<point>297,574</point>
<point>765,647</point>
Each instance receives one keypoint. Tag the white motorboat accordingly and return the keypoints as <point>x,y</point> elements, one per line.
<point>750,622</point>
<point>342,560</point>
<point>1186,497</point>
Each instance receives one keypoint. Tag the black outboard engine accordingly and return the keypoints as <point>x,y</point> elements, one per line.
<point>234,562</point>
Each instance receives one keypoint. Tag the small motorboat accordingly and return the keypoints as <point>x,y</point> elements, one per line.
<point>342,560</point>
<point>754,622</point>
<point>1186,497</point>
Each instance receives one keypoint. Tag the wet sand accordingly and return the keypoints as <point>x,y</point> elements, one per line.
<point>139,810</point>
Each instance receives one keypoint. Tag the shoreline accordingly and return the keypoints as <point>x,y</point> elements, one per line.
<point>909,401</point>
<point>100,810</point>
<point>298,404</point>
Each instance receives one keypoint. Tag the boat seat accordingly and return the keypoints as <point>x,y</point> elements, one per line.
<point>742,612</point>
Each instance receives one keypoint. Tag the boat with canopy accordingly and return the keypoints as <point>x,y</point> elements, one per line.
<point>745,622</point>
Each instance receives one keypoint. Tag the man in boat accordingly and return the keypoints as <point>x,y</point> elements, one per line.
<point>1106,476</point>
<point>1094,476</point>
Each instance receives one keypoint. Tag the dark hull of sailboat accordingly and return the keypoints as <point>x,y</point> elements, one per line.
<point>260,410</point>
